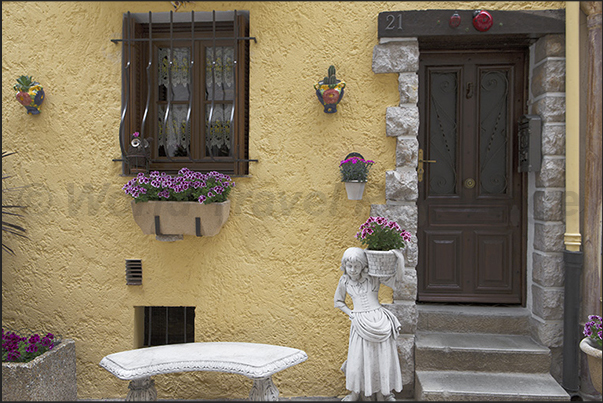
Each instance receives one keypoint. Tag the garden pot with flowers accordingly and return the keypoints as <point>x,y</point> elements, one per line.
<point>190,203</point>
<point>591,345</point>
<point>384,240</point>
<point>37,368</point>
<point>354,170</point>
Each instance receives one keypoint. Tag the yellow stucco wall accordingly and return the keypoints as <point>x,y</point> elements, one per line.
<point>270,275</point>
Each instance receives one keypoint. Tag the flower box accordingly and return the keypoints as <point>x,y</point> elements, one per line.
<point>51,376</point>
<point>168,218</point>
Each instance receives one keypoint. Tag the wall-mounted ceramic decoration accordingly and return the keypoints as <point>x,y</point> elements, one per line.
<point>30,94</point>
<point>330,91</point>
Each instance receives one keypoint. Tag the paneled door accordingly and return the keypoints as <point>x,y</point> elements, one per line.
<point>471,203</point>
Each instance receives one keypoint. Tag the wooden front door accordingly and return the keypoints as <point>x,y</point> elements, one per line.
<point>471,203</point>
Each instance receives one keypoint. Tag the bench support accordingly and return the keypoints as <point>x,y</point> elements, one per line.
<point>142,390</point>
<point>263,389</point>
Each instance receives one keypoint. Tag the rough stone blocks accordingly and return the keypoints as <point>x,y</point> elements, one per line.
<point>401,185</point>
<point>402,121</point>
<point>396,57</point>
<point>548,269</point>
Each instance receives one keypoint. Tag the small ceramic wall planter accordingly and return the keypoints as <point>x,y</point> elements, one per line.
<point>30,94</point>
<point>355,189</point>
<point>593,354</point>
<point>330,91</point>
<point>170,220</point>
<point>51,376</point>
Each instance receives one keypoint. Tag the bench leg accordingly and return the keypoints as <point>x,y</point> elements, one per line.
<point>141,389</point>
<point>263,389</point>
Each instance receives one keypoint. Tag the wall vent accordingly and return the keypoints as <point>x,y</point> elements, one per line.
<point>133,272</point>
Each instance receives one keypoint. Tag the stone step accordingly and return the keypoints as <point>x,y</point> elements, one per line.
<point>473,319</point>
<point>490,386</point>
<point>480,352</point>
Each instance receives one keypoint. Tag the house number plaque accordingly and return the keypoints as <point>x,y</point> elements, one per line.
<point>390,24</point>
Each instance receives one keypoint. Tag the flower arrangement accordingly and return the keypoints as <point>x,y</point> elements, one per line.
<point>355,168</point>
<point>187,185</point>
<point>592,330</point>
<point>16,348</point>
<point>379,233</point>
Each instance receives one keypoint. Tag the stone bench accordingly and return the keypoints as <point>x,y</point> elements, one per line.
<point>256,361</point>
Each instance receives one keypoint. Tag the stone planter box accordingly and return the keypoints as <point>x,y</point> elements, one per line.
<point>50,376</point>
<point>174,219</point>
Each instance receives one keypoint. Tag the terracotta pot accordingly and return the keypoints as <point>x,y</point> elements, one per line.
<point>180,217</point>
<point>594,361</point>
<point>355,189</point>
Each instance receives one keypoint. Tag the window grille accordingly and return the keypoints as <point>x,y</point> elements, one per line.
<point>168,325</point>
<point>185,90</point>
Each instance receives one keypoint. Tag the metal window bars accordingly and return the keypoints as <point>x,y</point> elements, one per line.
<point>130,38</point>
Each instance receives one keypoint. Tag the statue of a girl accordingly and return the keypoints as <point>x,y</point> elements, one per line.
<point>372,366</point>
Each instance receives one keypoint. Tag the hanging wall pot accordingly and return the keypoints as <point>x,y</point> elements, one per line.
<point>330,91</point>
<point>30,94</point>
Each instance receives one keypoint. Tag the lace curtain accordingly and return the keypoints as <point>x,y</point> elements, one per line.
<point>174,138</point>
<point>219,86</point>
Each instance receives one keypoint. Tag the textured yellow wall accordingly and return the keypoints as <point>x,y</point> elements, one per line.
<point>270,275</point>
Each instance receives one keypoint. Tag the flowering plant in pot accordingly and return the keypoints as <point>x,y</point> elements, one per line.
<point>189,203</point>
<point>354,170</point>
<point>384,239</point>
<point>37,367</point>
<point>592,346</point>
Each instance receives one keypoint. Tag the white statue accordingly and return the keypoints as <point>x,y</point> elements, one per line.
<point>372,367</point>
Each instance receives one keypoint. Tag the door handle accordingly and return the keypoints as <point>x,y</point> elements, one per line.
<point>420,169</point>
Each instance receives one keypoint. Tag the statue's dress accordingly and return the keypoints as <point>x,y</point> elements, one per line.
<point>372,365</point>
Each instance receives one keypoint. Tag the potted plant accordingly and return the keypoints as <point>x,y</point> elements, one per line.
<point>384,240</point>
<point>354,170</point>
<point>190,203</point>
<point>591,345</point>
<point>38,368</point>
<point>30,94</point>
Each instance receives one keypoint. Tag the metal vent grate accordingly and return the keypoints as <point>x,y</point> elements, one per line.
<point>133,272</point>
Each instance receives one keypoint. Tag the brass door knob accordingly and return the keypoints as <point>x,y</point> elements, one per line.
<point>469,183</point>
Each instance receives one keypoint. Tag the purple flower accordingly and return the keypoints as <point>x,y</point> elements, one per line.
<point>32,348</point>
<point>135,134</point>
<point>202,199</point>
<point>34,339</point>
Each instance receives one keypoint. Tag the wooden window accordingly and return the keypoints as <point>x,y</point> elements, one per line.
<point>185,90</point>
<point>168,325</point>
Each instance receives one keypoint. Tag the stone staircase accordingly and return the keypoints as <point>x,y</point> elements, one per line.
<point>480,353</point>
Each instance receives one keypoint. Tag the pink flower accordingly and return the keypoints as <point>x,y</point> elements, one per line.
<point>135,134</point>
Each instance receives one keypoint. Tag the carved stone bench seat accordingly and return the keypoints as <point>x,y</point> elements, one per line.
<point>254,360</point>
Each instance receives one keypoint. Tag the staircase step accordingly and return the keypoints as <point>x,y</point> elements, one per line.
<point>473,319</point>
<point>491,386</point>
<point>480,352</point>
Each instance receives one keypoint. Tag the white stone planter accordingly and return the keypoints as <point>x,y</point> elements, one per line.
<point>50,376</point>
<point>594,362</point>
<point>384,263</point>
<point>355,189</point>
<point>178,218</point>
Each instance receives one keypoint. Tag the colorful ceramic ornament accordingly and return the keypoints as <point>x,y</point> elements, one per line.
<point>30,94</point>
<point>482,20</point>
<point>330,91</point>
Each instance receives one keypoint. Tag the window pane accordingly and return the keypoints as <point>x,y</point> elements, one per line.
<point>173,135</point>
<point>494,89</point>
<point>219,80</point>
<point>443,96</point>
<point>219,132</point>
<point>180,74</point>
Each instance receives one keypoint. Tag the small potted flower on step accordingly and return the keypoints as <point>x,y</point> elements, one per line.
<point>354,171</point>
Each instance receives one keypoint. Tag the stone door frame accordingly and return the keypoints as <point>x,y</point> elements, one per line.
<point>546,227</point>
